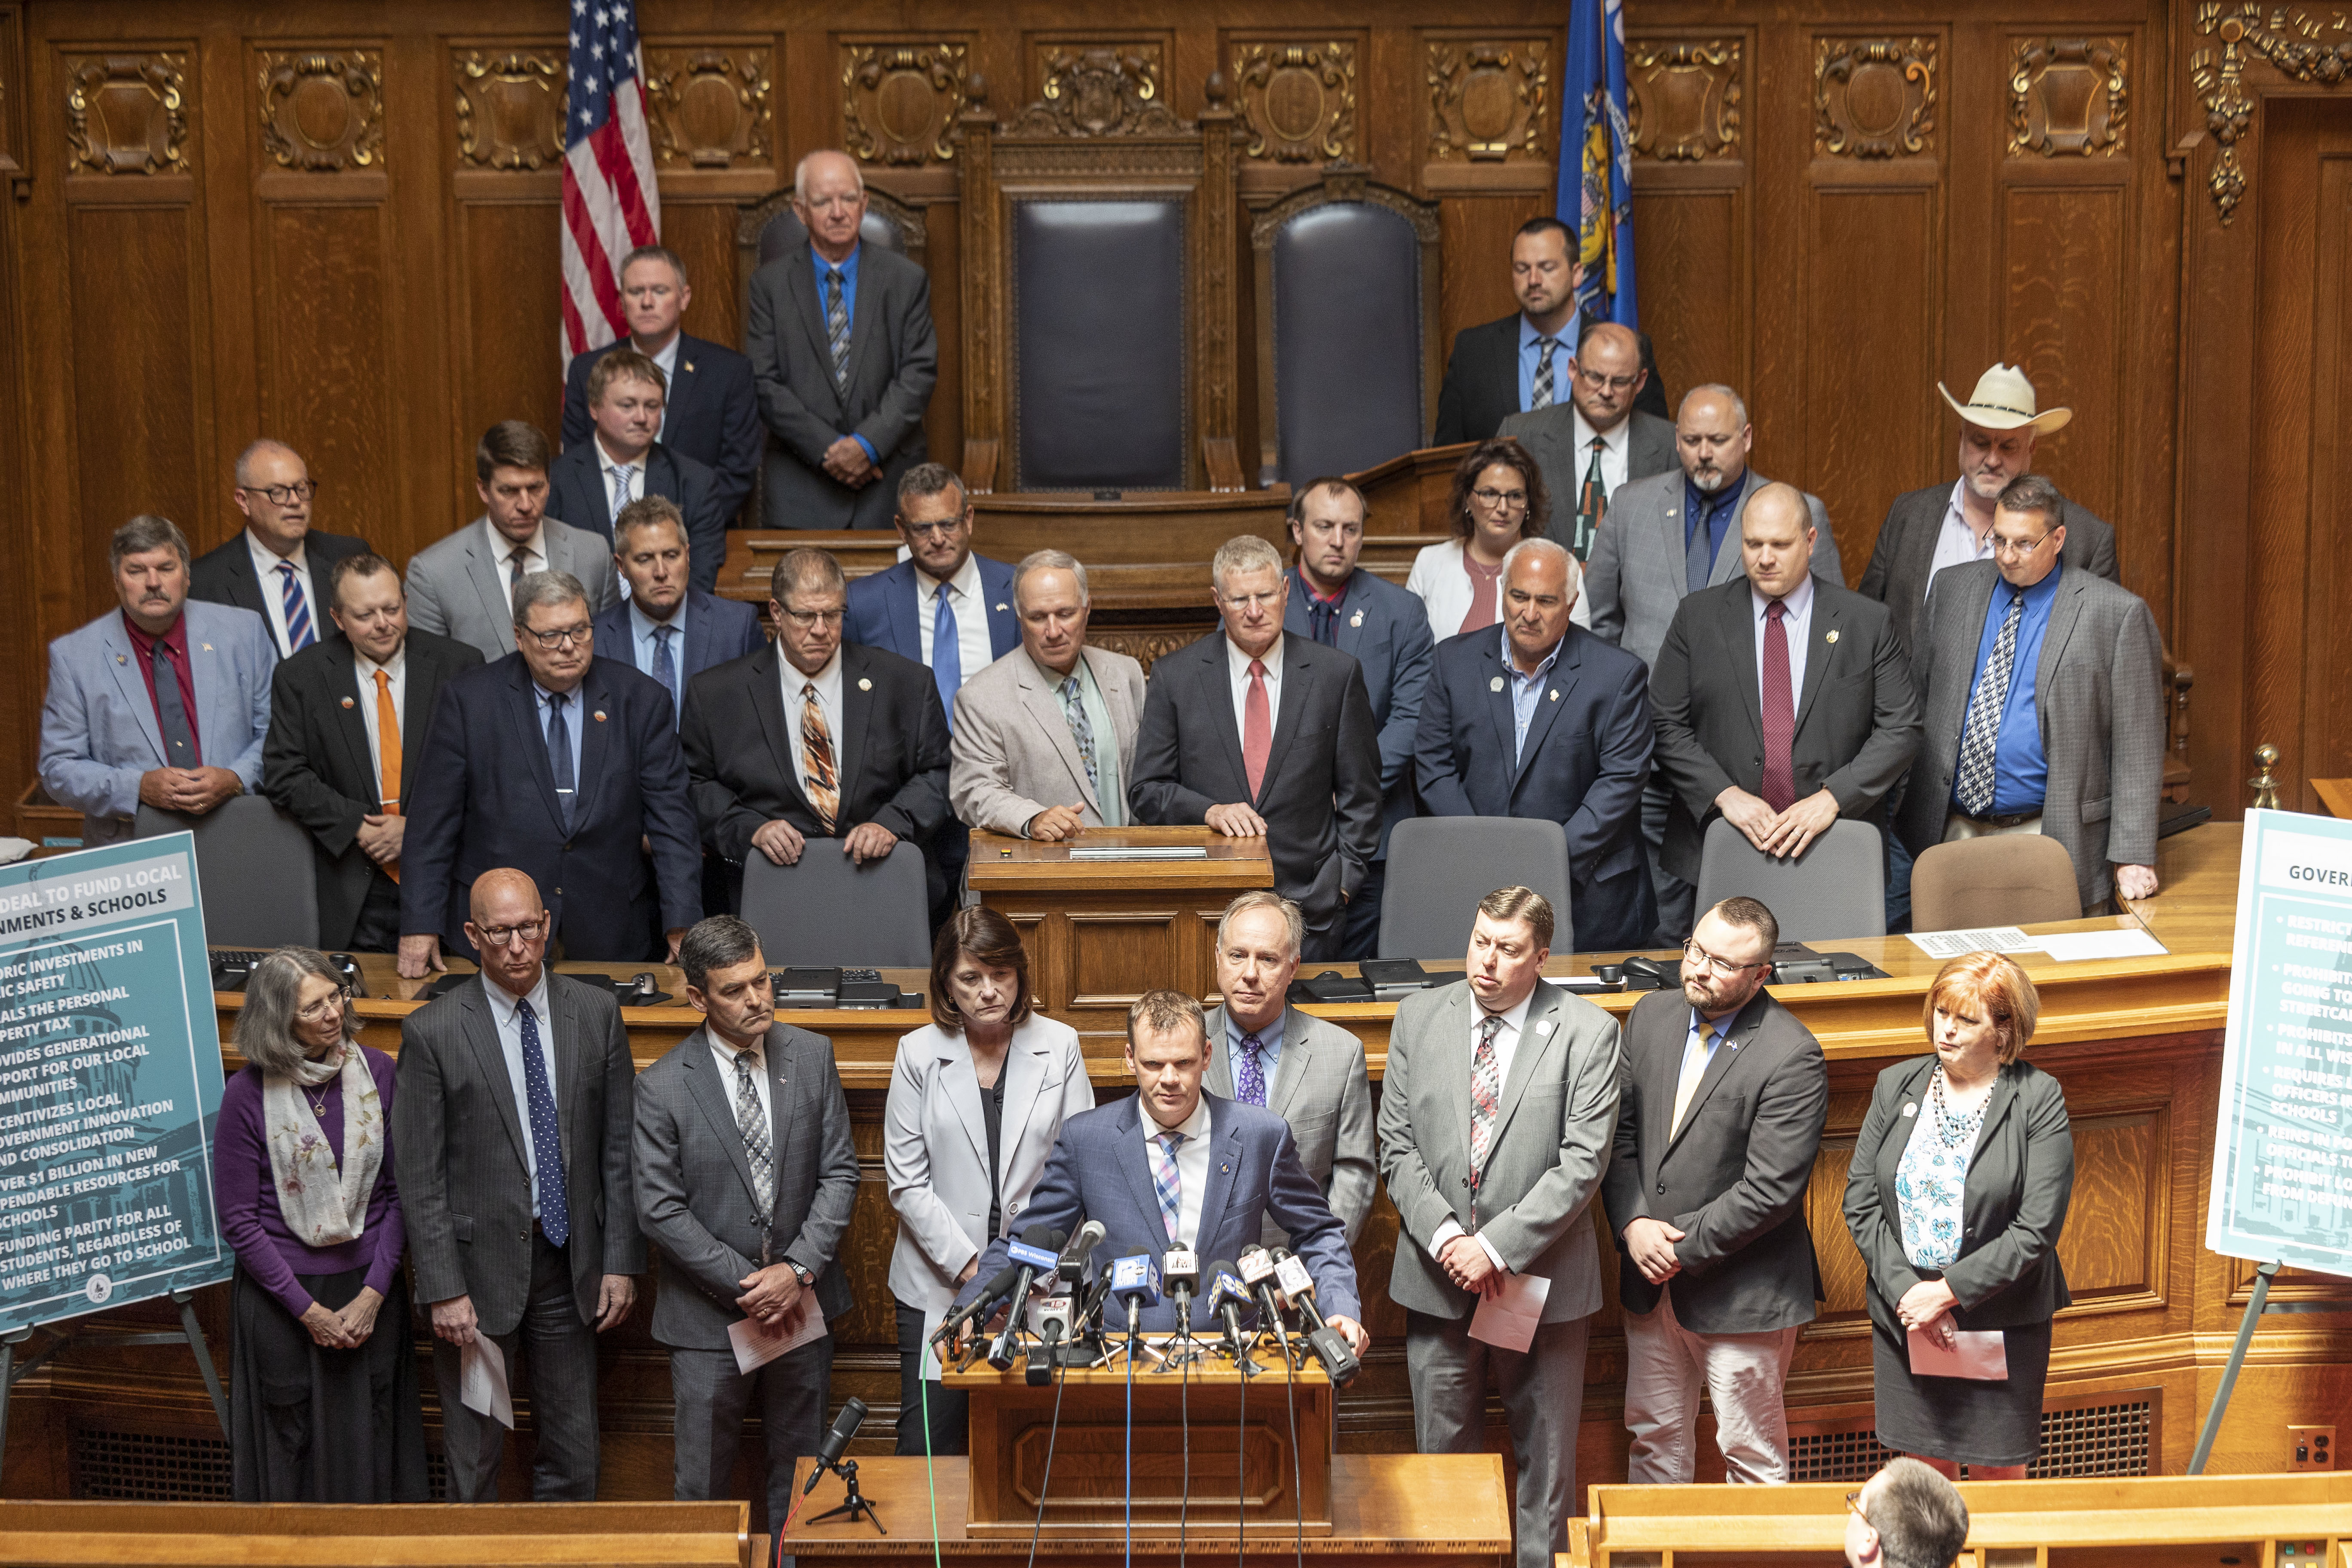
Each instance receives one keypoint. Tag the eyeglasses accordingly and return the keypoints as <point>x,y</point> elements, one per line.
<point>1606,383</point>
<point>1694,955</point>
<point>809,620</point>
<point>504,936</point>
<point>2017,549</point>
<point>333,1002</point>
<point>1854,1501</point>
<point>562,636</point>
<point>1489,495</point>
<point>284,495</point>
<point>934,529</point>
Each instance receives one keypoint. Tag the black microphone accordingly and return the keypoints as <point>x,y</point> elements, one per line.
<point>1038,1251</point>
<point>979,1306</point>
<point>1227,1296</point>
<point>1298,1288</point>
<point>828,1453</point>
<point>1257,1273</point>
<point>1073,1265</point>
<point>1179,1275</point>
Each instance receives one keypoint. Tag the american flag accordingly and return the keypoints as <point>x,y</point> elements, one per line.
<point>610,204</point>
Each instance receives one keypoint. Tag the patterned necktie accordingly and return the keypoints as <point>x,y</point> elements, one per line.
<point>1540,394</point>
<point>1696,1057</point>
<point>1486,1098</point>
<point>1779,787</point>
<point>817,756</point>
<point>559,756</point>
<point>518,568</point>
<point>1991,696</point>
<point>299,633</point>
<point>387,746</point>
<point>620,490</point>
<point>836,325</point>
<point>666,667</point>
<point>1082,728</point>
<point>171,714</point>
<point>1257,728</point>
<point>1165,1181</point>
<point>1591,505</point>
<point>1249,1078</point>
<point>753,1125</point>
<point>546,1135</point>
<point>947,654</point>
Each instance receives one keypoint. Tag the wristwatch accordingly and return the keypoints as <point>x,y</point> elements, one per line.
<point>807,1280</point>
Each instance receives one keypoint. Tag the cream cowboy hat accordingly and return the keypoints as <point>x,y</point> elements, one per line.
<point>2004,400</point>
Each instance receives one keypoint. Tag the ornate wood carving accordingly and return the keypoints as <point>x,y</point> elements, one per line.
<point>707,105</point>
<point>1487,100</point>
<point>1684,97</point>
<point>900,101</point>
<point>1874,97</point>
<point>2292,41</point>
<point>1099,89</point>
<point>511,108</point>
<point>1145,645</point>
<point>321,113</point>
<point>1214,298</point>
<point>1345,183</point>
<point>2067,95</point>
<point>127,113</point>
<point>1299,101</point>
<point>983,416</point>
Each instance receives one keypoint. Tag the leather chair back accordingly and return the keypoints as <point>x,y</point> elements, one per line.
<point>1347,340</point>
<point>254,877</point>
<point>1440,866</point>
<point>2001,879</point>
<point>828,912</point>
<point>1837,888</point>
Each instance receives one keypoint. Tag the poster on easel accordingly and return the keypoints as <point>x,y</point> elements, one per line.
<point>110,1083</point>
<point>2282,1189</point>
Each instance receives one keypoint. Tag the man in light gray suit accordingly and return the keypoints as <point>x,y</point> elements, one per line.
<point>844,359</point>
<point>512,1131</point>
<point>2043,687</point>
<point>1045,736</point>
<point>161,702</point>
<point>1309,1072</point>
<point>463,586</point>
<point>1591,445</point>
<point>745,1179</point>
<point>1498,1116</point>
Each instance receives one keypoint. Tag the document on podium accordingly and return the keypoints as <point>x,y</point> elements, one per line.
<point>1507,1320</point>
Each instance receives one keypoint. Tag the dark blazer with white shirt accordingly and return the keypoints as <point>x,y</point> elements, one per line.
<point>1733,1177</point>
<point>710,412</point>
<point>1904,559</point>
<point>580,493</point>
<point>1481,380</point>
<point>716,630</point>
<point>1549,436</point>
<point>1385,629</point>
<point>225,575</point>
<point>885,610</point>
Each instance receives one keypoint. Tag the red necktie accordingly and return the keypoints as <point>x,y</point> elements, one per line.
<point>1780,712</point>
<point>1257,728</point>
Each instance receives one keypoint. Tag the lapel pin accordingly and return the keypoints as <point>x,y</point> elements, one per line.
<point>347,702</point>
<point>1003,606</point>
<point>689,364</point>
<point>600,715</point>
<point>1543,1025</point>
<point>119,660</point>
<point>1555,694</point>
<point>864,684</point>
<point>1495,684</point>
<point>1909,1109</point>
<point>1222,1167</point>
<point>1832,636</point>
<point>208,648</point>
<point>1356,619</point>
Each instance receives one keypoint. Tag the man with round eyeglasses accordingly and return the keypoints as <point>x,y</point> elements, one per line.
<point>279,566</point>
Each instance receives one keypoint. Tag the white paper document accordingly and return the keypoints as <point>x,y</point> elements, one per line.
<point>482,1381</point>
<point>2074,946</point>
<point>1980,1355</point>
<point>1508,1318</point>
<point>757,1343</point>
<point>1990,939</point>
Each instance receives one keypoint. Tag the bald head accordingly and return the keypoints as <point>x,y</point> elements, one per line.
<point>1608,375</point>
<point>1775,538</point>
<point>1712,437</point>
<point>508,929</point>
<point>501,889</point>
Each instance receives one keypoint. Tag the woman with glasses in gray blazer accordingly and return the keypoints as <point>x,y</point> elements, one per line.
<point>977,1100</point>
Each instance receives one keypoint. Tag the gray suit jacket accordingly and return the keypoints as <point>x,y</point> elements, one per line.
<point>1549,436</point>
<point>1900,562</point>
<point>1322,1088</point>
<point>1636,576</point>
<point>894,362</point>
<point>455,589</point>
<point>458,1137</point>
<point>695,1198</point>
<point>1732,1177</point>
<point>1553,1132</point>
<point>98,731</point>
<point>2098,690</point>
<point>1012,754</point>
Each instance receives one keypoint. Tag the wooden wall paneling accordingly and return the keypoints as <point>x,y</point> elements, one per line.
<point>20,660</point>
<point>710,114</point>
<point>2327,655</point>
<point>1694,245</point>
<point>1487,134</point>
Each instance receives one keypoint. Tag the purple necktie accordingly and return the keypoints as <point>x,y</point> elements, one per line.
<point>1779,791</point>
<point>1249,1076</point>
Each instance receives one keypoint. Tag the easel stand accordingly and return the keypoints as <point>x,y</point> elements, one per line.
<point>11,1372</point>
<point>2261,1302</point>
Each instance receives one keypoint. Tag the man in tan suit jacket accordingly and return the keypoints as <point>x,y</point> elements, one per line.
<point>1044,738</point>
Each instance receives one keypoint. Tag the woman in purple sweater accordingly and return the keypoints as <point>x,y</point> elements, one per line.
<point>323,1404</point>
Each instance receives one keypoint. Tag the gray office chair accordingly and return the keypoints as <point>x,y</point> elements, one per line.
<point>828,912</point>
<point>1836,889</point>
<point>2001,879</point>
<point>253,869</point>
<point>1440,866</point>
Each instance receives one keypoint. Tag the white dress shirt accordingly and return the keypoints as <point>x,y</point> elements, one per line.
<point>1507,1045</point>
<point>1237,672</point>
<point>507,1014</point>
<point>1798,624</point>
<point>1191,1165</point>
<point>502,550</point>
<point>364,668</point>
<point>1614,444</point>
<point>724,1054</point>
<point>266,563</point>
<point>964,597</point>
<point>828,700</point>
<point>607,466</point>
<point>1956,542</point>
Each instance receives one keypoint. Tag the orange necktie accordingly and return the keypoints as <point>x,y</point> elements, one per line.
<point>387,745</point>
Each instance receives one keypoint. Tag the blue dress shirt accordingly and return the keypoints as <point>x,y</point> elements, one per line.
<point>1531,351</point>
<point>1525,691</point>
<point>849,304</point>
<point>642,647</point>
<point>1269,1052</point>
<point>2020,771</point>
<point>1718,509</point>
<point>575,721</point>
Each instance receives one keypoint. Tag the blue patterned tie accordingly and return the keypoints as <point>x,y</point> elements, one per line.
<point>666,668</point>
<point>1165,1181</point>
<point>299,633</point>
<point>1249,1078</point>
<point>947,654</point>
<point>1977,770</point>
<point>546,1138</point>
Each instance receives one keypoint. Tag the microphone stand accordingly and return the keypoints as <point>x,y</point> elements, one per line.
<point>855,1505</point>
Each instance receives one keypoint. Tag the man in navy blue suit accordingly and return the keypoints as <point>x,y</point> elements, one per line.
<point>1172,1166</point>
<point>712,413</point>
<point>592,483</point>
<point>665,628</point>
<point>1548,720</point>
<point>565,767</point>
<point>1386,630</point>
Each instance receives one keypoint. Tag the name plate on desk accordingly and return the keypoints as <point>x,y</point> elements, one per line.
<point>1139,852</point>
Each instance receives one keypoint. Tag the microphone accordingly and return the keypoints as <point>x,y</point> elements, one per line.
<point>1073,1264</point>
<point>1179,1275</point>
<point>1226,1299</point>
<point>979,1306</point>
<point>1053,1329</point>
<point>1136,1282</point>
<point>828,1453</point>
<point>1038,1250</point>
<point>1257,1273</point>
<point>1298,1288</point>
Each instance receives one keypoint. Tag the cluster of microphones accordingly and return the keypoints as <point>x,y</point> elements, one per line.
<point>1075,1325</point>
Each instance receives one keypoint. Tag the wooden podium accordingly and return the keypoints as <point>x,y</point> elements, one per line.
<point>1102,933</point>
<point>1240,1434</point>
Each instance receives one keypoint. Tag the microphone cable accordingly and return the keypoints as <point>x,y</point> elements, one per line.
<point>1128,1445</point>
<point>1184,1430</point>
<point>1298,1483</point>
<point>931,1480</point>
<point>1241,1471</point>
<point>1052,1431</point>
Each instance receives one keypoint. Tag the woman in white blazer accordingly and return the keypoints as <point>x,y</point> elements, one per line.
<point>1498,500</point>
<point>977,1100</point>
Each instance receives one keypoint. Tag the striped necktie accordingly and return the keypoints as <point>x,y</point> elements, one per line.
<point>299,633</point>
<point>1977,772</point>
<point>836,325</point>
<point>1167,1185</point>
<point>1541,393</point>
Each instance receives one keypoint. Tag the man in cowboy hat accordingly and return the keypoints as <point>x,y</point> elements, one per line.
<point>1928,530</point>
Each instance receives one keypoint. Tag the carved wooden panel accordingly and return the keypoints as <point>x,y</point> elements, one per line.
<point>1874,97</point>
<point>899,100</point>
<point>1297,100</point>
<point>707,104</point>
<point>2293,42</point>
<point>511,106</point>
<point>1490,99</point>
<point>2067,95</point>
<point>322,112</point>
<point>1099,89</point>
<point>1682,98</point>
<point>1145,644</point>
<point>127,113</point>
